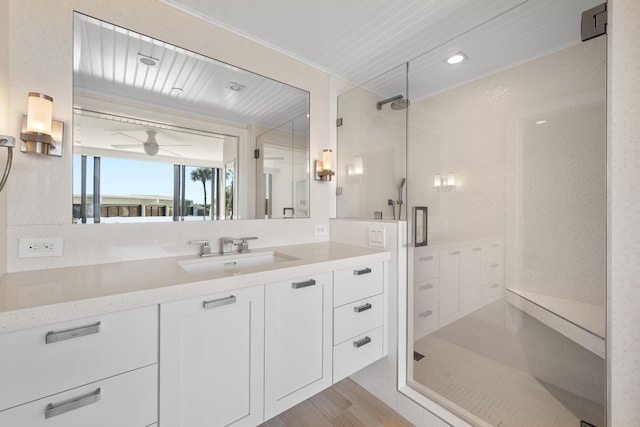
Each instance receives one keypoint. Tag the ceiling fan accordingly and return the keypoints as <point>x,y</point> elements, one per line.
<point>150,145</point>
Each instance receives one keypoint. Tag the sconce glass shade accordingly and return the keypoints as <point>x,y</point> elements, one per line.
<point>358,168</point>
<point>39,113</point>
<point>327,159</point>
<point>437,181</point>
<point>451,179</point>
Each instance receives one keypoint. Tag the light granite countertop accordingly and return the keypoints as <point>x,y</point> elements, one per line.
<point>40,297</point>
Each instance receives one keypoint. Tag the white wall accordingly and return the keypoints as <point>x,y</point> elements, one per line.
<point>4,128</point>
<point>624,213</point>
<point>39,191</point>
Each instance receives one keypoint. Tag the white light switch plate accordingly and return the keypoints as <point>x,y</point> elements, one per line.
<point>40,247</point>
<point>320,230</point>
<point>376,236</point>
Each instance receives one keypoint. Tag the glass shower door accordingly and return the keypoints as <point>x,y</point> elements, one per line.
<point>506,322</point>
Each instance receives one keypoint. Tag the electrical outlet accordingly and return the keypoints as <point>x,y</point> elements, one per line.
<point>40,247</point>
<point>320,230</point>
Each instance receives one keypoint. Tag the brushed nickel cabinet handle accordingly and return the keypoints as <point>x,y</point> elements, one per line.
<point>426,313</point>
<point>426,258</point>
<point>495,285</point>
<point>454,253</point>
<point>72,404</point>
<point>218,302</point>
<point>360,343</point>
<point>475,249</point>
<point>361,272</point>
<point>362,308</point>
<point>299,285</point>
<point>68,334</point>
<point>426,287</point>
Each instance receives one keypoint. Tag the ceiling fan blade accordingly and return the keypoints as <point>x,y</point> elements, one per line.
<point>125,145</point>
<point>124,135</point>
<point>169,152</point>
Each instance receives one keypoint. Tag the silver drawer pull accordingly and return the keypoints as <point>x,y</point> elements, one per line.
<point>68,334</point>
<point>475,249</point>
<point>426,313</point>
<point>360,272</point>
<point>360,343</point>
<point>495,285</point>
<point>454,253</point>
<point>362,308</point>
<point>495,245</point>
<point>299,285</point>
<point>218,302</point>
<point>426,287</point>
<point>72,404</point>
<point>426,258</point>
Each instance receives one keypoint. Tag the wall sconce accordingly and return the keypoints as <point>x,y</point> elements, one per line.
<point>40,133</point>
<point>324,168</point>
<point>355,170</point>
<point>444,183</point>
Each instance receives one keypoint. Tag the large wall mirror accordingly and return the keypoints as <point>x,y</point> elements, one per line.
<point>161,133</point>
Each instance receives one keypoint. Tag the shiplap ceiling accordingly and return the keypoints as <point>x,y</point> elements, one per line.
<point>108,63</point>
<point>358,40</point>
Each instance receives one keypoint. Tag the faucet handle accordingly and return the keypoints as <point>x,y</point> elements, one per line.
<point>244,245</point>
<point>205,250</point>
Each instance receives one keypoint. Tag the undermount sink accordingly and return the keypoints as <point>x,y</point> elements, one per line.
<point>233,263</point>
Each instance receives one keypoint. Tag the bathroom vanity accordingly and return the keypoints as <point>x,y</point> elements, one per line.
<point>160,342</point>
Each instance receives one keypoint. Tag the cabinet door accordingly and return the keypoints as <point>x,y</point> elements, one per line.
<point>470,284</point>
<point>449,286</point>
<point>298,335</point>
<point>211,364</point>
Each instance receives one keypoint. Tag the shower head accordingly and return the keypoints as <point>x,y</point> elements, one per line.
<point>402,181</point>
<point>393,100</point>
<point>400,104</point>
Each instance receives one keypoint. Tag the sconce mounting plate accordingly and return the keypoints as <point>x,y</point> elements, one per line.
<point>57,135</point>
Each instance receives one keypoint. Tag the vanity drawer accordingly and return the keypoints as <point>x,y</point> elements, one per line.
<point>357,317</point>
<point>425,293</point>
<point>356,353</point>
<point>357,283</point>
<point>45,360</point>
<point>127,400</point>
<point>426,266</point>
<point>425,321</point>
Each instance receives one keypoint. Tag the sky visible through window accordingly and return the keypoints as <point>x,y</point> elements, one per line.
<point>132,177</point>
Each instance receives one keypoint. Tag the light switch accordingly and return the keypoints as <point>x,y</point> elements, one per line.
<point>377,236</point>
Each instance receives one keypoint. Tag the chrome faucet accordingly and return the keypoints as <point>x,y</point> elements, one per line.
<point>227,243</point>
<point>205,249</point>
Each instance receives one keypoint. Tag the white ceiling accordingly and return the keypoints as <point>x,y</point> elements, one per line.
<point>358,40</point>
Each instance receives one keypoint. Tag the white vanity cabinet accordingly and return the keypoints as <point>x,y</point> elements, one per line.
<point>99,371</point>
<point>298,328</point>
<point>211,352</point>
<point>358,313</point>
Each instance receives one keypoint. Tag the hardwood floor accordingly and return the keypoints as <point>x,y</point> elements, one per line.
<point>346,404</point>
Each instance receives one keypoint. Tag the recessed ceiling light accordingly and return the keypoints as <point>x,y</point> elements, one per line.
<point>236,87</point>
<point>176,91</point>
<point>147,60</point>
<point>541,122</point>
<point>456,58</point>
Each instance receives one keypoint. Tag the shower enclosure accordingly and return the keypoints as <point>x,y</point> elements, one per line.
<point>505,206</point>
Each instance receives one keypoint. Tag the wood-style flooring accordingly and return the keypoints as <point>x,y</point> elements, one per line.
<point>346,404</point>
